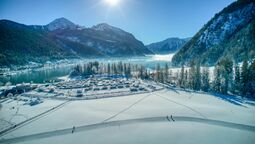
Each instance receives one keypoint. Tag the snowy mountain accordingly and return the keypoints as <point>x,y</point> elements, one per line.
<point>64,39</point>
<point>106,27</point>
<point>61,23</point>
<point>170,45</point>
<point>213,41</point>
<point>103,38</point>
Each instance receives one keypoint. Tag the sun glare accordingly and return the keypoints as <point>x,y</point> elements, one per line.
<point>112,2</point>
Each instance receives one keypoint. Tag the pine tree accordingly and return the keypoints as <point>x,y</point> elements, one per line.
<point>197,82</point>
<point>129,71</point>
<point>186,75</point>
<point>244,78</point>
<point>161,76</point>
<point>177,75</point>
<point>141,72</point>
<point>170,77</point>
<point>181,78</point>
<point>146,74</point>
<point>217,79</point>
<point>227,74</point>
<point>252,79</point>
<point>109,69</point>
<point>205,79</point>
<point>237,80</point>
<point>192,73</point>
<point>114,69</point>
<point>166,73</point>
<point>157,76</point>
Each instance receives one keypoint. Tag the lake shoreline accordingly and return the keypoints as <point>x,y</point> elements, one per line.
<point>53,70</point>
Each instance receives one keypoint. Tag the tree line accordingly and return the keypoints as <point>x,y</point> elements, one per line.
<point>226,78</point>
<point>117,68</point>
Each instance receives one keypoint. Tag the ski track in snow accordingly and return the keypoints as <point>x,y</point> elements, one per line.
<point>130,122</point>
<point>29,120</point>
<point>129,107</point>
<point>190,108</point>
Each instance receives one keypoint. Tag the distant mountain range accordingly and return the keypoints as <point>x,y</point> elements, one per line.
<point>170,45</point>
<point>230,33</point>
<point>20,44</point>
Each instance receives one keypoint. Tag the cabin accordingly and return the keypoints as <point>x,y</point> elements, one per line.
<point>79,93</point>
<point>141,88</point>
<point>133,89</point>
<point>104,88</point>
<point>120,86</point>
<point>36,101</point>
<point>113,87</point>
<point>96,89</point>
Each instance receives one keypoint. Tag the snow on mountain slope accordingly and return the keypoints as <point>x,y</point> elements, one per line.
<point>225,25</point>
<point>64,39</point>
<point>212,41</point>
<point>61,23</point>
<point>170,45</point>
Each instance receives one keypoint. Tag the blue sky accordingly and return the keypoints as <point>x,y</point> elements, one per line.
<point>149,20</point>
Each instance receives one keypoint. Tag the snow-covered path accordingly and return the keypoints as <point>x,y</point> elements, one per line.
<point>128,122</point>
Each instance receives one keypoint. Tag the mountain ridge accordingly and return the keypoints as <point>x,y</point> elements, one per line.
<point>169,45</point>
<point>218,32</point>
<point>63,39</point>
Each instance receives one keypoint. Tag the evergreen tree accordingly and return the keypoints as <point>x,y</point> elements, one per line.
<point>146,74</point>
<point>244,78</point>
<point>237,80</point>
<point>252,79</point>
<point>96,65</point>
<point>170,77</point>
<point>227,74</point>
<point>141,73</point>
<point>205,80</point>
<point>161,76</point>
<point>166,73</point>
<point>125,69</point>
<point>181,78</point>
<point>177,75</point>
<point>109,69</point>
<point>129,73</point>
<point>217,79</point>
<point>197,83</point>
<point>120,67</point>
<point>186,75</point>
<point>157,75</point>
<point>192,72</point>
<point>114,69</point>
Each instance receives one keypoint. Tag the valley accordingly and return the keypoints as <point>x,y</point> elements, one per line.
<point>127,72</point>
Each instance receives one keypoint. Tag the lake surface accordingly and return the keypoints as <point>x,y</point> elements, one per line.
<point>44,74</point>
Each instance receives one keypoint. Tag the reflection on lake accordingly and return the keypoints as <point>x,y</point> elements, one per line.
<point>41,75</point>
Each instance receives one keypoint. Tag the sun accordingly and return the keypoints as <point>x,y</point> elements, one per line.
<point>112,2</point>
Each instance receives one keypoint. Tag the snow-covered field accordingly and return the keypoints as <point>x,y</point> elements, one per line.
<point>14,111</point>
<point>199,118</point>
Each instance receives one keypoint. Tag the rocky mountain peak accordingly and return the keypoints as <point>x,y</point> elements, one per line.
<point>106,27</point>
<point>61,23</point>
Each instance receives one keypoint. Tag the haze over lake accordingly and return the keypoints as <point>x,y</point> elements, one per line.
<point>45,74</point>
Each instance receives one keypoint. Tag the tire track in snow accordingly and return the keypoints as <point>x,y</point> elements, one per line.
<point>129,122</point>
